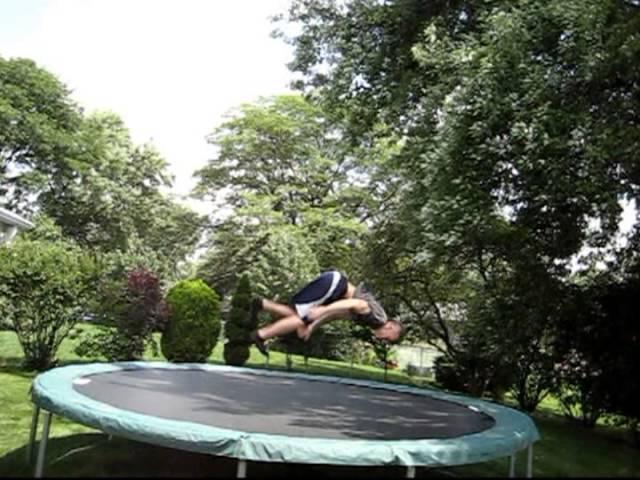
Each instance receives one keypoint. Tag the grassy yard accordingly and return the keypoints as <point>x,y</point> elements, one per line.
<point>565,449</point>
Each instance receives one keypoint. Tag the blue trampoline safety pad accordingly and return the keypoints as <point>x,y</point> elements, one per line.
<point>197,407</point>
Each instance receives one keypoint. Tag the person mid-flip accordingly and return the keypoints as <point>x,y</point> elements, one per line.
<point>330,296</point>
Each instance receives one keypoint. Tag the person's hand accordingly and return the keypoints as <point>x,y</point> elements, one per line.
<point>313,314</point>
<point>306,333</point>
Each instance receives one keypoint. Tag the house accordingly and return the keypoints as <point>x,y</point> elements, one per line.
<point>10,224</point>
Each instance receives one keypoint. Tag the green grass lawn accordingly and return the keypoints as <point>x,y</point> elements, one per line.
<point>566,449</point>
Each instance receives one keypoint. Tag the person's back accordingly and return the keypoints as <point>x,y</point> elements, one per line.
<point>376,317</point>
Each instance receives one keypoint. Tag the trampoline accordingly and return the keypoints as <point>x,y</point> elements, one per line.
<point>273,416</point>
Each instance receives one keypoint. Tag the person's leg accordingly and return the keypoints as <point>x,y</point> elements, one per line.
<point>288,322</point>
<point>340,309</point>
<point>313,293</point>
<point>284,326</point>
<point>279,310</point>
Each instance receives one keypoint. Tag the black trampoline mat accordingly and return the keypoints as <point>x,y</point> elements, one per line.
<point>280,405</point>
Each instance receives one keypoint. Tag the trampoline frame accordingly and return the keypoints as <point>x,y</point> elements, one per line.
<point>241,471</point>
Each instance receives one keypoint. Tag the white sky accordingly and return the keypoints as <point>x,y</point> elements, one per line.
<point>170,68</point>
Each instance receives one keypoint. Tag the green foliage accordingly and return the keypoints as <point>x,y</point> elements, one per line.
<point>110,279</point>
<point>240,305</point>
<point>137,309</point>
<point>286,263</point>
<point>43,292</point>
<point>239,325</point>
<point>236,353</point>
<point>116,202</point>
<point>596,350</point>
<point>446,374</point>
<point>280,148</point>
<point>85,173</point>
<point>109,343</point>
<point>194,322</point>
<point>332,341</point>
<point>292,187</point>
<point>38,125</point>
<point>513,148</point>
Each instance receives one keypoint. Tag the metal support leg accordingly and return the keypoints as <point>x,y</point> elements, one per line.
<point>512,466</point>
<point>242,469</point>
<point>42,450</point>
<point>530,461</point>
<point>32,434</point>
<point>411,471</point>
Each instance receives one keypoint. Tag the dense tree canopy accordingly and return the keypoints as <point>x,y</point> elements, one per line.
<point>282,169</point>
<point>84,172</point>
<point>38,127</point>
<point>514,128</point>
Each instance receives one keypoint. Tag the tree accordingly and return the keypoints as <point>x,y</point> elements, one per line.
<point>38,126</point>
<point>298,206</point>
<point>620,305</point>
<point>115,197</point>
<point>280,163</point>
<point>84,171</point>
<point>511,150</point>
<point>497,108</point>
<point>357,57</point>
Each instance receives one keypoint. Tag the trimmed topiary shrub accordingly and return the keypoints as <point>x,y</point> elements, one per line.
<point>239,325</point>
<point>236,353</point>
<point>194,322</point>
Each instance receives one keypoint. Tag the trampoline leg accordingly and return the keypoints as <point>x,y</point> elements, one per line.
<point>411,472</point>
<point>32,434</point>
<point>242,469</point>
<point>530,461</point>
<point>512,466</point>
<point>42,449</point>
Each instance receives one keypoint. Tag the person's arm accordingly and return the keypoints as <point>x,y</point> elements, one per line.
<point>336,310</point>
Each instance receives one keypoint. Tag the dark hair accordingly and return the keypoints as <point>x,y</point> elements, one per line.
<point>403,330</point>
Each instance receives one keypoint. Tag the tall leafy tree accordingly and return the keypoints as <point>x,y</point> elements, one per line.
<point>511,147</point>
<point>280,167</point>
<point>115,200</point>
<point>85,172</point>
<point>38,125</point>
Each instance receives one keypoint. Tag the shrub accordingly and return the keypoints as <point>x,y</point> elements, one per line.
<point>142,311</point>
<point>112,277</point>
<point>137,310</point>
<point>584,346</point>
<point>5,324</point>
<point>43,287</point>
<point>194,323</point>
<point>239,324</point>
<point>236,353</point>
<point>447,375</point>
<point>581,387</point>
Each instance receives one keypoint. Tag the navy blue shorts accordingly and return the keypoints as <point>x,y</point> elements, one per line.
<point>323,290</point>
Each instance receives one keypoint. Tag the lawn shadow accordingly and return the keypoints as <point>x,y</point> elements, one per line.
<point>14,366</point>
<point>96,455</point>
